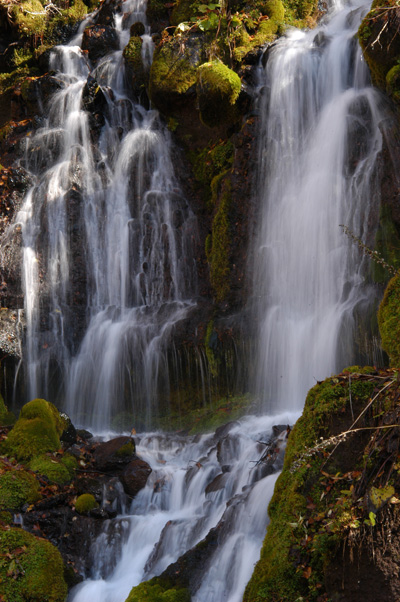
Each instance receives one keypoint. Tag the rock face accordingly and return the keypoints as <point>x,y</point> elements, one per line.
<point>338,487</point>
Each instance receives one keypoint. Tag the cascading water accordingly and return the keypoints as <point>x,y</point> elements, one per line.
<point>318,170</point>
<point>196,484</point>
<point>108,229</point>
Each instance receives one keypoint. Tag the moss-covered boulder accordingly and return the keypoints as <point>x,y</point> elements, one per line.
<point>85,503</point>
<point>218,89</point>
<point>158,590</point>
<point>36,432</point>
<point>173,73</point>
<point>17,487</point>
<point>31,569</point>
<point>379,37</point>
<point>389,320</point>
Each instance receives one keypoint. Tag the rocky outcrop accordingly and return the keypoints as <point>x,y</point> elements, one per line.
<point>334,513</point>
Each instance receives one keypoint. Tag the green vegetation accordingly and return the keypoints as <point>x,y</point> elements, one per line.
<point>56,471</point>
<point>158,590</point>
<point>17,487</point>
<point>7,418</point>
<point>317,500</point>
<point>208,418</point>
<point>389,320</point>
<point>85,503</point>
<point>36,431</point>
<point>218,89</point>
<point>30,569</point>
<point>173,73</point>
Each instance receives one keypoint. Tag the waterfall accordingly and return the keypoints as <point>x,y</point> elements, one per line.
<point>108,244</point>
<point>109,272</point>
<point>321,138</point>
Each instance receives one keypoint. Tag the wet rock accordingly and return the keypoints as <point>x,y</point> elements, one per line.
<point>228,449</point>
<point>218,483</point>
<point>137,29</point>
<point>223,430</point>
<point>114,454</point>
<point>106,14</point>
<point>135,475</point>
<point>95,102</point>
<point>84,434</point>
<point>37,90</point>
<point>69,433</point>
<point>99,40</point>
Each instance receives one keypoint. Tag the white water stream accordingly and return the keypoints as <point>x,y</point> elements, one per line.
<point>318,169</point>
<point>319,143</point>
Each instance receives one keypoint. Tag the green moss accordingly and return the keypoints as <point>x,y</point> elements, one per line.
<point>54,470</point>
<point>85,503</point>
<point>32,437</point>
<point>70,462</point>
<point>46,411</point>
<point>383,56</point>
<point>184,10</point>
<point>387,244</point>
<point>6,418</point>
<point>30,17</point>
<point>210,165</point>
<point>389,320</point>
<point>158,590</point>
<point>17,487</point>
<point>30,569</point>
<point>210,341</point>
<point>126,450</point>
<point>133,54</point>
<point>173,73</point>
<point>310,511</point>
<point>220,247</point>
<point>218,89</point>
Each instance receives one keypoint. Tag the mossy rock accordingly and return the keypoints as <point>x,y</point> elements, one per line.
<point>218,89</point>
<point>7,418</point>
<point>389,320</point>
<point>158,590</point>
<point>45,410</point>
<point>51,468</point>
<point>36,432</point>
<point>85,503</point>
<point>393,83</point>
<point>276,575</point>
<point>381,23</point>
<point>136,71</point>
<point>31,569</point>
<point>173,73</point>
<point>387,243</point>
<point>29,17</point>
<point>17,487</point>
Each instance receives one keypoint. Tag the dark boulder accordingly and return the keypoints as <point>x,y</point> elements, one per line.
<point>99,40</point>
<point>135,475</point>
<point>114,454</point>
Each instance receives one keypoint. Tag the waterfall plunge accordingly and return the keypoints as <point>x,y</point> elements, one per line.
<point>321,137</point>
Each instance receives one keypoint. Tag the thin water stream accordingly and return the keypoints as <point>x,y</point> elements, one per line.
<point>320,138</point>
